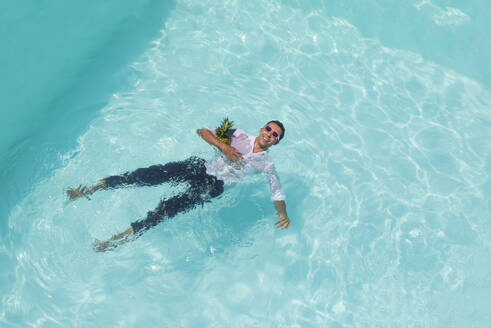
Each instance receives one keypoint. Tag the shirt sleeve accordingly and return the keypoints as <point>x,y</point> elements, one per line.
<point>274,182</point>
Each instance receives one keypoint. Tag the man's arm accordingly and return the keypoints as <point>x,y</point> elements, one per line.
<point>232,153</point>
<point>284,221</point>
<point>210,138</point>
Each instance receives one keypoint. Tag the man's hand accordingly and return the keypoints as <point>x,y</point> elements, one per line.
<point>232,154</point>
<point>283,222</point>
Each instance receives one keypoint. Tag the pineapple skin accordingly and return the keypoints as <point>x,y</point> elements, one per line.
<point>224,140</point>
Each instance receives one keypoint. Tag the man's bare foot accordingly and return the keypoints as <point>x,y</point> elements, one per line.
<point>79,192</point>
<point>114,242</point>
<point>85,191</point>
<point>102,246</point>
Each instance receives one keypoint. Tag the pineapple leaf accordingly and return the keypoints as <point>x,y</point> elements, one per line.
<point>223,130</point>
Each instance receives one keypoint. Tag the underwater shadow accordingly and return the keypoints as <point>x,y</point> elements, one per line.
<point>251,210</point>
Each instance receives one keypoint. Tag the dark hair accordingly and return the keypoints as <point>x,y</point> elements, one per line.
<point>281,126</point>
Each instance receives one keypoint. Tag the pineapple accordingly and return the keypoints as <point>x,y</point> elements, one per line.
<point>223,130</point>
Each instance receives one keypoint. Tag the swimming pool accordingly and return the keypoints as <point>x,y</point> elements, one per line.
<point>385,166</point>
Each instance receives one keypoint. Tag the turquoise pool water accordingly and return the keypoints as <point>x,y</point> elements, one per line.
<point>385,166</point>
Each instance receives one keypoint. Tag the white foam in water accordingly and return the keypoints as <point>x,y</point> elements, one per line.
<point>385,166</point>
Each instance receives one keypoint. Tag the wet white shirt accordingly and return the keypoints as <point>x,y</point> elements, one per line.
<point>253,163</point>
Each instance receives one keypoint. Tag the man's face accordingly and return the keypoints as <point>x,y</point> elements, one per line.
<point>267,138</point>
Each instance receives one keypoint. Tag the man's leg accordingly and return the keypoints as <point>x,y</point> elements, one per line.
<point>197,194</point>
<point>149,176</point>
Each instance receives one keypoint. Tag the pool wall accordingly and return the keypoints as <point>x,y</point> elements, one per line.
<point>53,51</point>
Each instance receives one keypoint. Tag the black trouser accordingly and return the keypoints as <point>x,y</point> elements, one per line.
<point>202,188</point>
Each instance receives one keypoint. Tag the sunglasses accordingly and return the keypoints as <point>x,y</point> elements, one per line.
<point>275,134</point>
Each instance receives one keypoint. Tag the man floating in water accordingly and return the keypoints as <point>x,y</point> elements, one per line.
<point>245,155</point>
